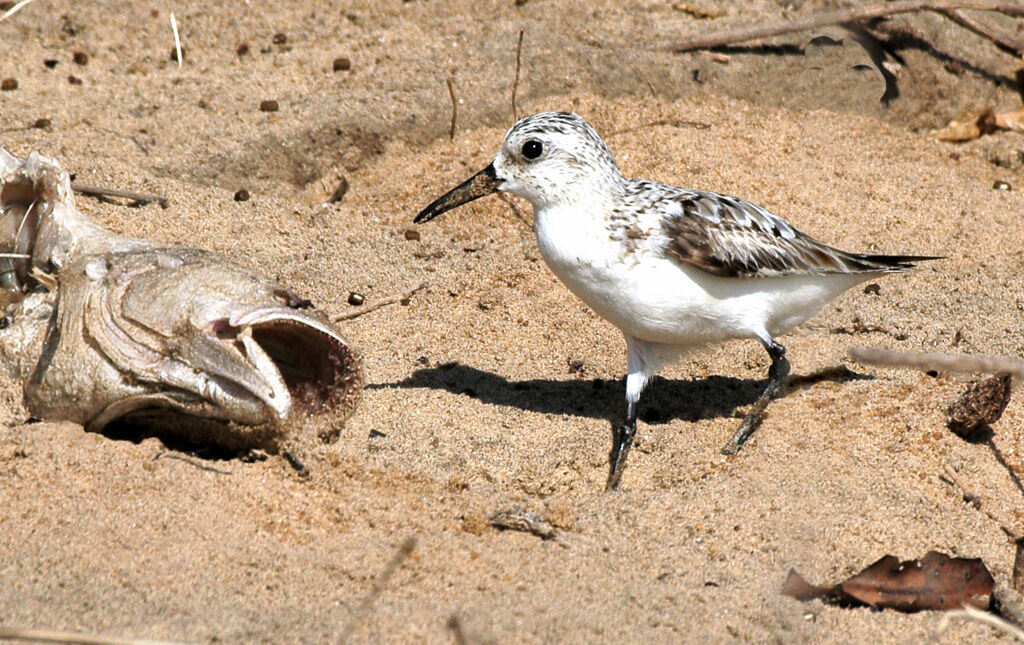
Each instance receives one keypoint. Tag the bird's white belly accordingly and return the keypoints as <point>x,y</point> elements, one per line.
<point>654,298</point>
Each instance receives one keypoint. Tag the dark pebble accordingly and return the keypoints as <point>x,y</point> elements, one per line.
<point>280,38</point>
<point>41,123</point>
<point>80,58</point>
<point>873,289</point>
<point>242,195</point>
<point>9,84</point>
<point>355,299</point>
<point>377,433</point>
<point>242,49</point>
<point>1002,185</point>
<point>268,106</point>
<point>339,192</point>
<point>74,80</point>
<point>342,64</point>
<point>412,234</point>
<point>50,63</point>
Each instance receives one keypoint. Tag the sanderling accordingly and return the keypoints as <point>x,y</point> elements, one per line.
<point>673,268</point>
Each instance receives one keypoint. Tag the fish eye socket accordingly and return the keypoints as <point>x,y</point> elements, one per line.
<point>532,149</point>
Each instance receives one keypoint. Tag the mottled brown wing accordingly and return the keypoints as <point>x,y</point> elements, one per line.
<point>729,237</point>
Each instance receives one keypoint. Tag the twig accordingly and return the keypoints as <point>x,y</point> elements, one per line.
<point>455,107</point>
<point>936,361</point>
<point>836,17</point>
<point>404,551</point>
<point>950,477</point>
<point>166,455</point>
<point>515,83</point>
<point>13,10</point>
<point>177,40</point>
<point>1003,39</point>
<point>51,636</point>
<point>390,300</point>
<point>139,198</point>
<point>972,613</point>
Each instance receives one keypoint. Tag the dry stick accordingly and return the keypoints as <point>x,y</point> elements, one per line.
<point>455,107</point>
<point>13,10</point>
<point>404,551</point>
<point>51,636</point>
<point>97,191</point>
<point>949,476</point>
<point>973,613</point>
<point>941,362</point>
<point>1002,38</point>
<point>515,83</point>
<point>390,300</point>
<point>839,16</point>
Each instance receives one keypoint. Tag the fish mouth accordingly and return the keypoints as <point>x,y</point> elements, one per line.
<point>479,185</point>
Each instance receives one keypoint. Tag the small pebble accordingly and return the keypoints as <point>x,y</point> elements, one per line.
<point>873,289</point>
<point>174,54</point>
<point>9,84</point>
<point>280,38</point>
<point>242,49</point>
<point>50,63</point>
<point>339,192</point>
<point>342,64</point>
<point>241,195</point>
<point>1002,185</point>
<point>355,299</point>
<point>268,106</point>
<point>41,123</point>
<point>80,58</point>
<point>74,80</point>
<point>412,234</point>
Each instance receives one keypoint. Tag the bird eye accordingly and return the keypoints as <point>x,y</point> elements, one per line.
<point>532,149</point>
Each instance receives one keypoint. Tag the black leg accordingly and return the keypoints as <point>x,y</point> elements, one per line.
<point>622,440</point>
<point>778,376</point>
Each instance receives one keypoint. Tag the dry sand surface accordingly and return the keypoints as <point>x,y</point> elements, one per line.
<point>495,387</point>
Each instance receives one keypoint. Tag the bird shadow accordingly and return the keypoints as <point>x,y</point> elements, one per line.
<point>664,400</point>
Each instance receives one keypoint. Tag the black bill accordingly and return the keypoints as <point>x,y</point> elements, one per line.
<point>479,185</point>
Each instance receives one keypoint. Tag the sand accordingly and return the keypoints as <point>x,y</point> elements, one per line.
<point>495,387</point>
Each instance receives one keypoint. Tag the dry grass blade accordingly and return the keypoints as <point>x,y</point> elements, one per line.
<point>390,300</point>
<point>99,191</point>
<point>837,17</point>
<point>450,82</point>
<point>404,551</point>
<point>177,39</point>
<point>515,83</point>
<point>938,361</point>
<point>977,615</point>
<point>13,10</point>
<point>51,636</point>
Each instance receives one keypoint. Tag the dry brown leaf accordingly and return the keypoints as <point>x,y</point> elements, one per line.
<point>970,125</point>
<point>936,581</point>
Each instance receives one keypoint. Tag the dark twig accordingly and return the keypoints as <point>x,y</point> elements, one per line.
<point>1002,38</point>
<point>838,17</point>
<point>390,300</point>
<point>138,198</point>
<point>296,463</point>
<point>515,83</point>
<point>404,551</point>
<point>450,82</point>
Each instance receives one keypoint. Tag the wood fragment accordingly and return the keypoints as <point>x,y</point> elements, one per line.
<point>939,361</point>
<point>390,300</point>
<point>838,17</point>
<point>404,551</point>
<point>138,198</point>
<point>53,636</point>
<point>450,82</point>
<point>515,83</point>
